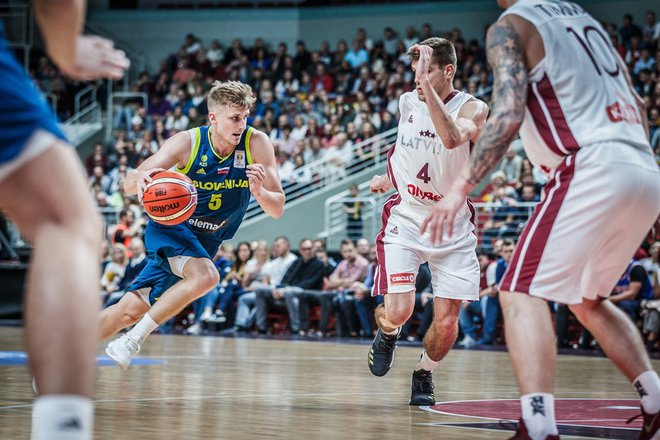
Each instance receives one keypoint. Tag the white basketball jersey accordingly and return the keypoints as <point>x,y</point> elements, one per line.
<point>419,166</point>
<point>578,94</point>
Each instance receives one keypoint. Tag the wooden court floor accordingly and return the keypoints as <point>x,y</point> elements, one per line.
<point>248,388</point>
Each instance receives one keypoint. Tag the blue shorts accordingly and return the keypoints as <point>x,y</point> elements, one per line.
<point>168,248</point>
<point>23,113</point>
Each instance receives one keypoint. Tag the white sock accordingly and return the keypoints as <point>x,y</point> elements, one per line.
<point>62,417</point>
<point>426,363</point>
<point>538,412</point>
<point>394,332</point>
<point>142,329</point>
<point>647,386</point>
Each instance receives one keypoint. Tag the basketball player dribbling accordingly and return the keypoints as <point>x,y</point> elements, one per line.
<point>44,190</point>
<point>559,80</point>
<point>436,126</point>
<point>227,161</point>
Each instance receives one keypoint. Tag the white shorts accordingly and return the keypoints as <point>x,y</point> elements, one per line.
<point>454,265</point>
<point>595,213</point>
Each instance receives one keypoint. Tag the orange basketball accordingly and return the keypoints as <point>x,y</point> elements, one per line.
<point>170,199</point>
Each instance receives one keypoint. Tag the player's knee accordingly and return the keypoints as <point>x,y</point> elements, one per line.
<point>208,277</point>
<point>446,324</point>
<point>398,314</point>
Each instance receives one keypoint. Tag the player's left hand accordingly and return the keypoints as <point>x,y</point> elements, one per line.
<point>256,174</point>
<point>442,216</point>
<point>424,61</point>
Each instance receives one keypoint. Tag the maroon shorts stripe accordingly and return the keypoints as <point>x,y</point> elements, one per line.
<point>541,122</point>
<point>551,102</point>
<point>380,280</point>
<point>527,257</point>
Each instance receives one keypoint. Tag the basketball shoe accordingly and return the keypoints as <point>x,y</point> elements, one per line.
<point>381,354</point>
<point>122,350</point>
<point>522,434</point>
<point>650,425</point>
<point>422,388</point>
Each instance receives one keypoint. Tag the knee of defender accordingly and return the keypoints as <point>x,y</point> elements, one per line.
<point>446,324</point>
<point>130,317</point>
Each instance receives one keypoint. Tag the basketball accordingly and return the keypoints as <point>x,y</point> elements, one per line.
<point>170,199</point>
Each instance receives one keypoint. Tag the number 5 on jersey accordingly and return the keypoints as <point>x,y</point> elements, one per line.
<point>424,173</point>
<point>216,202</point>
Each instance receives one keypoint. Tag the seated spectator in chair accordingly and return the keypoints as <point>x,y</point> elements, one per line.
<point>231,286</point>
<point>633,287</point>
<point>503,222</point>
<point>471,309</point>
<point>135,265</point>
<point>304,274</point>
<point>273,272</point>
<point>350,270</point>
<point>114,270</point>
<point>490,303</point>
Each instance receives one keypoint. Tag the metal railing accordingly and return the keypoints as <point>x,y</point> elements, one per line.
<point>492,219</point>
<point>84,98</point>
<point>320,173</point>
<point>84,123</point>
<point>112,96</point>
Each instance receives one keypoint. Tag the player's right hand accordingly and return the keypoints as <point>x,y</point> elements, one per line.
<point>380,184</point>
<point>94,57</point>
<point>143,179</point>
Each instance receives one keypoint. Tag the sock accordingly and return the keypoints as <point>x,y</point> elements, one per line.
<point>62,417</point>
<point>538,412</point>
<point>647,386</point>
<point>426,363</point>
<point>394,332</point>
<point>142,329</point>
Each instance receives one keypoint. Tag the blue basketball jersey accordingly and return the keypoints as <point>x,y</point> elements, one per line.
<point>22,110</point>
<point>223,193</point>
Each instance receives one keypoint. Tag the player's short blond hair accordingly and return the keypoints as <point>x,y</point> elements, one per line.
<point>444,52</point>
<point>232,94</point>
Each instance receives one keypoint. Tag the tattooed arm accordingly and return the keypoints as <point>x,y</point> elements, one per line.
<point>507,59</point>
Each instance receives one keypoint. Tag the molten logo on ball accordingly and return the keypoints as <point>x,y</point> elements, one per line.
<point>164,208</point>
<point>170,198</point>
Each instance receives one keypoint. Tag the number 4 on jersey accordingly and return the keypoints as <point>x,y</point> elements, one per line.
<point>424,173</point>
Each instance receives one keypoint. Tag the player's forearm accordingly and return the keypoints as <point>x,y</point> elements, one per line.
<point>444,124</point>
<point>60,22</point>
<point>272,202</point>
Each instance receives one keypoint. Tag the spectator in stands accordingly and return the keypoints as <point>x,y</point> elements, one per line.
<point>302,58</point>
<point>511,165</point>
<point>492,306</point>
<point>306,272</point>
<point>469,310</point>
<point>135,265</point>
<point>353,209</point>
<point>357,56</point>
<point>231,286</point>
<point>99,177</point>
<point>651,29</point>
<point>633,287</point>
<point>96,158</point>
<point>127,228</point>
<point>645,62</point>
<point>337,287</point>
<point>114,270</point>
<point>629,30</point>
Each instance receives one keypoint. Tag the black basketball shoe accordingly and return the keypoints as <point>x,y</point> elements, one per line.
<point>422,388</point>
<point>381,353</point>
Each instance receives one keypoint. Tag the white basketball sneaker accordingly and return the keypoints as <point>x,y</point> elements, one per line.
<point>122,350</point>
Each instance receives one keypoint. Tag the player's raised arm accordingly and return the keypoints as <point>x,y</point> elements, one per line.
<point>264,181</point>
<point>175,151</point>
<point>453,132</point>
<point>506,56</point>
